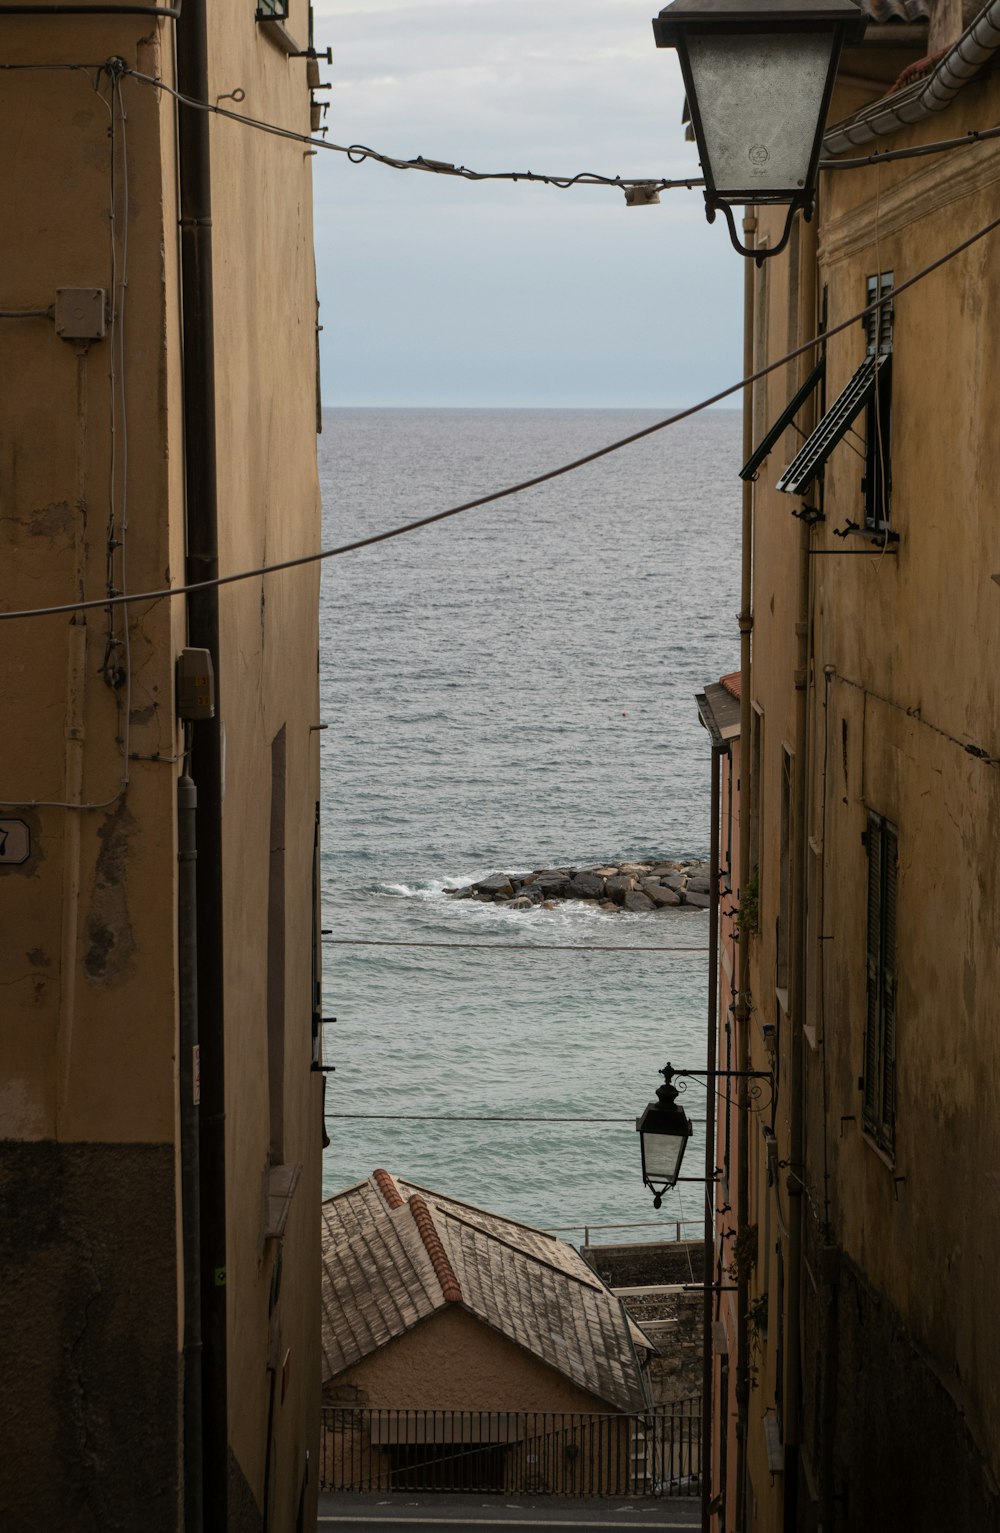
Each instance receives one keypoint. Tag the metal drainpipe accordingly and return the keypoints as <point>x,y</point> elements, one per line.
<point>713,1033</point>
<point>187,964</point>
<point>197,317</point>
<point>794,1180</point>
<point>743,994</point>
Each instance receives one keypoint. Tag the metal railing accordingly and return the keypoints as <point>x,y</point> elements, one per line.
<point>667,1229</point>
<point>555,1453</point>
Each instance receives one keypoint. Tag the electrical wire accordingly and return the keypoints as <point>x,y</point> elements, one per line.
<point>525,484</point>
<point>358,153</point>
<point>417,1117</point>
<point>521,947</point>
<point>975,751</point>
<point>917,151</point>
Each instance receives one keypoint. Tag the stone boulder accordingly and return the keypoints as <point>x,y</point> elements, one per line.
<point>637,902</point>
<point>618,886</point>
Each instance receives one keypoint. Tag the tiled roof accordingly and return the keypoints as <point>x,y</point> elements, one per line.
<point>389,1264</point>
<point>731,683</point>
<point>897,10</point>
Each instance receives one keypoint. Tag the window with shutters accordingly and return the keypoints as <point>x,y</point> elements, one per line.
<point>879,1079</point>
<point>869,392</point>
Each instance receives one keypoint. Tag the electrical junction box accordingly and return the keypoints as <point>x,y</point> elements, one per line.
<point>195,685</point>
<point>80,313</point>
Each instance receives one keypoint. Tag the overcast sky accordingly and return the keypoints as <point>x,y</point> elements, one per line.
<point>443,292</point>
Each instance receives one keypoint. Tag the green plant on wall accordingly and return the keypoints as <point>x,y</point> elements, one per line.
<point>743,1256</point>
<point>748,910</point>
<point>756,1331</point>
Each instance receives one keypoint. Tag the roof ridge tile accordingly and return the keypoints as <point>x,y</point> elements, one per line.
<point>387,1187</point>
<point>434,1246</point>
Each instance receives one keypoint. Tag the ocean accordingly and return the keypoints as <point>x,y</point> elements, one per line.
<point>514,688</point>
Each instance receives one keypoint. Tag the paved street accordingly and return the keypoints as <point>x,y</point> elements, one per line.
<point>369,1514</point>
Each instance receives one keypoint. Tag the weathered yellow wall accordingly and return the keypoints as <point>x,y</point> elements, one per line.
<point>88,967</point>
<point>88,1100</point>
<point>88,955</point>
<point>899,685</point>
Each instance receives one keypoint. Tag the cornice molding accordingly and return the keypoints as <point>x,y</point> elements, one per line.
<point>937,185</point>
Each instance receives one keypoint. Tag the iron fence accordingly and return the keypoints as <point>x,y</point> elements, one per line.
<point>556,1453</point>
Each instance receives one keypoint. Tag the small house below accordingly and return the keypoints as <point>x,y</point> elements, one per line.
<point>462,1348</point>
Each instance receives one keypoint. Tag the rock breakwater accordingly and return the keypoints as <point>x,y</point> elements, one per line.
<point>639,887</point>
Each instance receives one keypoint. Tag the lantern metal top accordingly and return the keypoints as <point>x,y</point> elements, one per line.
<point>733,15</point>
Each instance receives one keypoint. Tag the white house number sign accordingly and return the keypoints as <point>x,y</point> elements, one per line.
<point>15,842</point>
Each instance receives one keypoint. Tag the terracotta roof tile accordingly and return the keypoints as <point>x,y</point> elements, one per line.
<point>731,683</point>
<point>385,1268</point>
<point>435,1250</point>
<point>387,1187</point>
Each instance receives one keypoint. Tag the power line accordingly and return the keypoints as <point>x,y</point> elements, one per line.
<point>419,1117</point>
<point>917,151</point>
<point>526,484</point>
<point>358,153</point>
<point>521,947</point>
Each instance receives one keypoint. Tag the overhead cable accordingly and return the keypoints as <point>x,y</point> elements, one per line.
<point>322,554</point>
<point>358,153</point>
<point>521,947</point>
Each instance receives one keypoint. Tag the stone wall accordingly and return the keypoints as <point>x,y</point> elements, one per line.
<point>673,1321</point>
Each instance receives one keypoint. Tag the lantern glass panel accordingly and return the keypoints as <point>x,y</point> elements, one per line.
<point>759,98</point>
<point>661,1154</point>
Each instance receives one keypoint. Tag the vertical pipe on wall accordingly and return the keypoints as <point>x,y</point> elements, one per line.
<point>189,1073</point>
<point>197,317</point>
<point>713,1033</point>
<point>797,951</point>
<point>743,993</point>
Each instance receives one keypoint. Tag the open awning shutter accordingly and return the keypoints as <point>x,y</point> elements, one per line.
<point>788,414</point>
<point>837,421</point>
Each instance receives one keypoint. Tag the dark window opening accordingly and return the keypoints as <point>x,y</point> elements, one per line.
<point>784,873</point>
<point>879,1079</point>
<point>276,950</point>
<point>447,1466</point>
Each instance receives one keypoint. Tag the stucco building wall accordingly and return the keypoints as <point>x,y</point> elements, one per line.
<point>454,1362</point>
<point>89,1110</point>
<point>899,1368</point>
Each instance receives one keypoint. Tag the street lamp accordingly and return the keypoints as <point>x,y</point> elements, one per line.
<point>758,76</point>
<point>664,1130</point>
